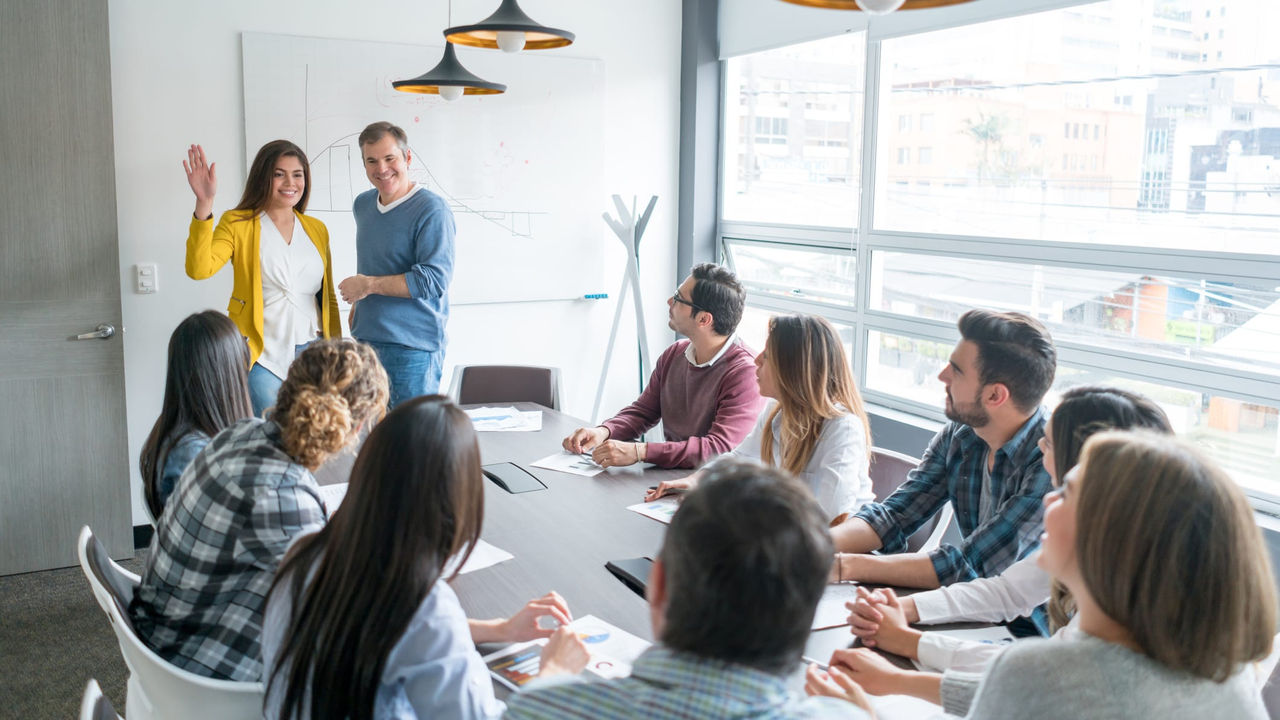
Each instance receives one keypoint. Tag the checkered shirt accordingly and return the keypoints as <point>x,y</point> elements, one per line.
<point>952,470</point>
<point>223,532</point>
<point>667,684</point>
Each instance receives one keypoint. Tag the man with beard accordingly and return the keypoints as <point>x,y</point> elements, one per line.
<point>986,462</point>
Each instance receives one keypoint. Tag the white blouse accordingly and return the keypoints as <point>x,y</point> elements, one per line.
<point>1013,593</point>
<point>292,274</point>
<point>838,472</point>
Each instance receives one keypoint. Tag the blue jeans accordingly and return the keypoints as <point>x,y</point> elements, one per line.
<point>264,385</point>
<point>412,372</point>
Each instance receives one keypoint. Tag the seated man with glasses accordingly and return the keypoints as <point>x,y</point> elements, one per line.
<point>703,389</point>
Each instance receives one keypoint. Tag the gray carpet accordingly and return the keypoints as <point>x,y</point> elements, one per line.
<point>53,638</point>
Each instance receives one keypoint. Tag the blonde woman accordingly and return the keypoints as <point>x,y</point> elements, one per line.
<point>1174,600</point>
<point>241,503</point>
<point>814,425</point>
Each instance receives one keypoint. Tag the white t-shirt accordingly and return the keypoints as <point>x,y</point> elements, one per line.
<point>292,274</point>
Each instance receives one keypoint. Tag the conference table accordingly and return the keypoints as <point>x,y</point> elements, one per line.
<point>561,538</point>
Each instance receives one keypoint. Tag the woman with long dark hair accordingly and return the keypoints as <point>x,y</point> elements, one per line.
<point>815,425</point>
<point>241,503</point>
<point>205,390</point>
<point>361,622</point>
<point>883,620</point>
<point>282,295</point>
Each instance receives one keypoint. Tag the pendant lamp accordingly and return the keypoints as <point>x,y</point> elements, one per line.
<point>877,7</point>
<point>449,79</point>
<point>509,30</point>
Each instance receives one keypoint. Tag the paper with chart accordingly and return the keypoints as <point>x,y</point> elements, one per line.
<point>572,463</point>
<point>662,509</point>
<point>612,651</point>
<point>522,171</point>
<point>484,555</point>
<point>505,419</point>
<point>831,610</point>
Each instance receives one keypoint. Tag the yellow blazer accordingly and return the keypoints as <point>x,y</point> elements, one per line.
<point>236,239</point>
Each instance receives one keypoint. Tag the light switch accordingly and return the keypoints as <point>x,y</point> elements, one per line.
<point>144,278</point>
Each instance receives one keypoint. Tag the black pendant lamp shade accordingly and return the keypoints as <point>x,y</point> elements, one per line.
<point>509,20</point>
<point>449,79</point>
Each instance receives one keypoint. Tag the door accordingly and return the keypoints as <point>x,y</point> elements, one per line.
<point>62,414</point>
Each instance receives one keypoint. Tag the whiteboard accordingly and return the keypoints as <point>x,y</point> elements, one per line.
<point>521,170</point>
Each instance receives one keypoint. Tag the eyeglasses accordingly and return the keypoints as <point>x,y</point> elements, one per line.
<point>675,297</point>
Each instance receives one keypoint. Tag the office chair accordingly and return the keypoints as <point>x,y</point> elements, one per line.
<point>156,688</point>
<point>476,384</point>
<point>889,470</point>
<point>95,705</point>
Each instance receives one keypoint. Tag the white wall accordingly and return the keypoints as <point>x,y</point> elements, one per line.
<point>176,79</point>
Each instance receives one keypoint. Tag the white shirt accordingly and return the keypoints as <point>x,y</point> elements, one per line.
<point>292,274</point>
<point>838,471</point>
<point>692,356</point>
<point>384,209</point>
<point>1013,593</point>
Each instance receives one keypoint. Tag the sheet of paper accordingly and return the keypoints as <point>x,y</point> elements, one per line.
<point>505,419</point>
<point>831,610</point>
<point>661,509</point>
<point>484,555</point>
<point>612,652</point>
<point>568,462</point>
<point>905,707</point>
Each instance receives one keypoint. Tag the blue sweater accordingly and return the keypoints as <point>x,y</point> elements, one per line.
<point>414,239</point>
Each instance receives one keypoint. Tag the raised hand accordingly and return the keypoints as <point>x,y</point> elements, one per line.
<point>202,176</point>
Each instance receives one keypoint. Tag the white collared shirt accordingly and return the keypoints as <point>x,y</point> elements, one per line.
<point>691,355</point>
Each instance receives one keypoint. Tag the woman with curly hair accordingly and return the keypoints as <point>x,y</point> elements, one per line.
<point>239,506</point>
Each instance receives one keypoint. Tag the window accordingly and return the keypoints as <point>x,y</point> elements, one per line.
<point>1145,237</point>
<point>812,179</point>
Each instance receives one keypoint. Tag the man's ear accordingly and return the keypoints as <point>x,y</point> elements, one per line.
<point>995,395</point>
<point>655,592</point>
<point>705,319</point>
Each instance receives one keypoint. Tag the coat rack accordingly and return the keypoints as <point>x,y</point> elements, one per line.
<point>629,228</point>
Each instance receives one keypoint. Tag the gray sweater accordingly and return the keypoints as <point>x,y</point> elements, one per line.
<point>1094,679</point>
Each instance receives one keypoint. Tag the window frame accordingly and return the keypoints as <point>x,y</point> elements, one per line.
<point>865,240</point>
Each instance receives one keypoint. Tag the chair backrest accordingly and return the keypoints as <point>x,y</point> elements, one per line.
<point>507,383</point>
<point>889,470</point>
<point>158,689</point>
<point>95,705</point>
<point>1271,685</point>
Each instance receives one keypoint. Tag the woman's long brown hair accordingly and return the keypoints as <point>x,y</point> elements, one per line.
<point>814,384</point>
<point>416,499</point>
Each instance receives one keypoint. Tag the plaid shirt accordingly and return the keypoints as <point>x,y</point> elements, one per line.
<point>669,685</point>
<point>223,532</point>
<point>952,470</point>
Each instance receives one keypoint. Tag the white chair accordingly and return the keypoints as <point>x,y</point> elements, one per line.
<point>95,705</point>
<point>156,688</point>
<point>889,470</point>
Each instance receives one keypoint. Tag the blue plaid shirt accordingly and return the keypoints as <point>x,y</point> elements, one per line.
<point>952,470</point>
<point>666,684</point>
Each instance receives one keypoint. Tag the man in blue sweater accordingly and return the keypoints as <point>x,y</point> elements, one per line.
<point>404,261</point>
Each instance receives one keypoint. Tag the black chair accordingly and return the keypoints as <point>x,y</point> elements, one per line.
<point>889,469</point>
<point>482,384</point>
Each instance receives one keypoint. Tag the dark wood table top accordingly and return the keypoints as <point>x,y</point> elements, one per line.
<point>562,537</point>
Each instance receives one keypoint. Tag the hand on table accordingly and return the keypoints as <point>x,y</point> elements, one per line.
<point>585,439</point>
<point>671,487</point>
<point>870,671</point>
<point>202,176</point>
<point>524,624</point>
<point>616,453</point>
<point>836,683</point>
<point>564,654</point>
<point>355,288</point>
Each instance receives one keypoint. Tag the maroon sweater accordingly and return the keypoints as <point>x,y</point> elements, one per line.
<point>705,411</point>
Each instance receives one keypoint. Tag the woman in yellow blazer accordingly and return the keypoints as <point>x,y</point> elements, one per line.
<point>283,293</point>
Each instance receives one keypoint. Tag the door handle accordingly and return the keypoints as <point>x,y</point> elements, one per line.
<point>102,332</point>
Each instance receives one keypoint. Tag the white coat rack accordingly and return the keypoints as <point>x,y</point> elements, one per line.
<point>629,228</point>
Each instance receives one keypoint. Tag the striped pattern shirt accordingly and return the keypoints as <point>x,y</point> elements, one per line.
<point>667,684</point>
<point>233,514</point>
<point>997,531</point>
